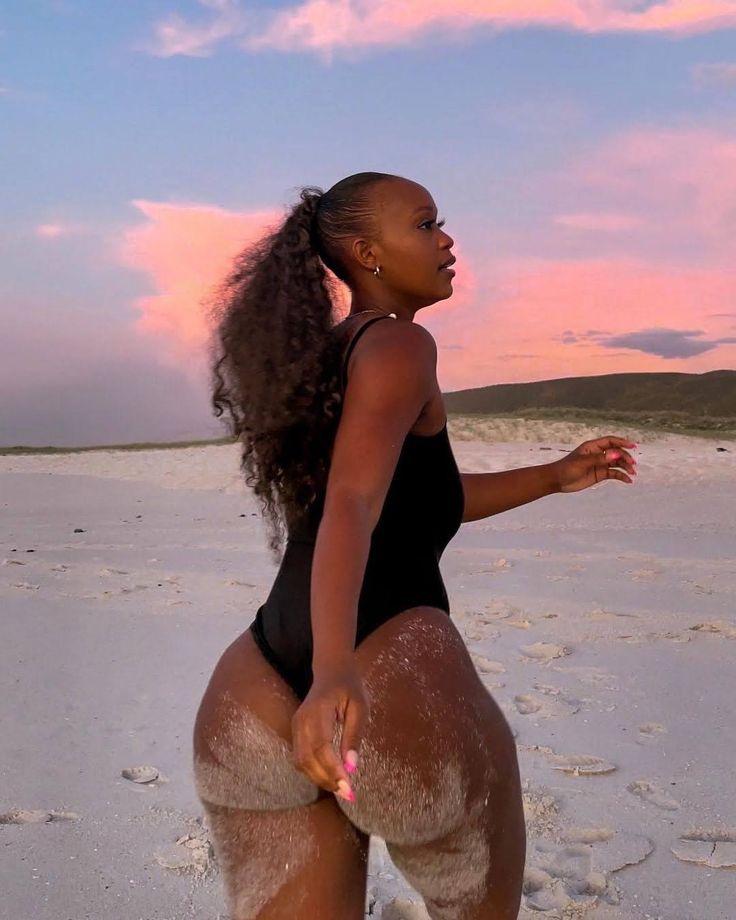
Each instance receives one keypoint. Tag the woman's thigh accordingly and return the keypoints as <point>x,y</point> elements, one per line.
<point>284,848</point>
<point>438,777</point>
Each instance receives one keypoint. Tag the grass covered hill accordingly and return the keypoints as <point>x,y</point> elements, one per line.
<point>700,404</point>
<point>697,396</point>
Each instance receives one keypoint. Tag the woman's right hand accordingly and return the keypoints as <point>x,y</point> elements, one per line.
<point>336,696</point>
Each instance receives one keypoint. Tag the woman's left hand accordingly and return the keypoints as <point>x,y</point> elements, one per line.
<point>594,461</point>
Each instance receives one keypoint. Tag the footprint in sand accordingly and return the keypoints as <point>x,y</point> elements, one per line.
<point>495,566</point>
<point>612,851</point>
<point>643,574</point>
<point>708,847</point>
<point>559,877</point>
<point>574,876</point>
<point>143,774</point>
<point>588,834</point>
<point>499,610</point>
<point>192,853</point>
<point>475,632</point>
<point>487,669</point>
<point>577,764</point>
<point>487,666</point>
<point>555,895</point>
<point>599,613</point>
<point>649,732</point>
<point>581,764</point>
<point>36,816</point>
<point>726,630</point>
<point>672,634</point>
<point>544,651</point>
<point>528,704</point>
<point>589,675</point>
<point>557,693</point>
<point>649,792</point>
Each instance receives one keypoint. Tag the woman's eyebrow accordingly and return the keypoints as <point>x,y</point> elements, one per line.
<point>424,207</point>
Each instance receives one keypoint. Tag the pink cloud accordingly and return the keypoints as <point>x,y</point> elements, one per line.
<point>185,249</point>
<point>54,230</point>
<point>325,26</point>
<point>674,188</point>
<point>174,35</point>
<point>50,231</point>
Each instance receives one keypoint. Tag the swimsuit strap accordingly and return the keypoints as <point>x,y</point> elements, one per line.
<point>352,344</point>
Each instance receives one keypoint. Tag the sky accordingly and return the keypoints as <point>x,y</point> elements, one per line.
<point>582,153</point>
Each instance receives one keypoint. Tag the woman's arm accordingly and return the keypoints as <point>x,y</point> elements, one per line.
<point>391,380</point>
<point>487,494</point>
<point>338,567</point>
<point>592,462</point>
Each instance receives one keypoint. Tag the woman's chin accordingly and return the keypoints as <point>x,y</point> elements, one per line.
<point>447,286</point>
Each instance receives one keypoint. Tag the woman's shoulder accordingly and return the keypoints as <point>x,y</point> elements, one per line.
<point>395,330</point>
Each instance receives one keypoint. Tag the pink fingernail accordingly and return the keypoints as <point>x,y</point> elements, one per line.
<point>351,761</point>
<point>344,791</point>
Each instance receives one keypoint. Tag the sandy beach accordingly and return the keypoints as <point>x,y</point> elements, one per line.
<point>604,623</point>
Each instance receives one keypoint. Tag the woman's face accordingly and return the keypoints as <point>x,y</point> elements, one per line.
<point>411,246</point>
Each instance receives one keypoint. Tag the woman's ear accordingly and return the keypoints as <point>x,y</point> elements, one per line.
<point>364,253</point>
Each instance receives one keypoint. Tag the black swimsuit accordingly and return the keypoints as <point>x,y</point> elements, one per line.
<point>422,511</point>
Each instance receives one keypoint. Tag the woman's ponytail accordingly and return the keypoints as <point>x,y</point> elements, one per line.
<point>275,364</point>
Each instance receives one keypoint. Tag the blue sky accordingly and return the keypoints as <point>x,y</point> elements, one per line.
<point>586,168</point>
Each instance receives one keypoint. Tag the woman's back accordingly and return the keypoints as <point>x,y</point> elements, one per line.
<point>421,513</point>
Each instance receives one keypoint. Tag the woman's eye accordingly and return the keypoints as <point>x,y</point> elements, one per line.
<point>440,223</point>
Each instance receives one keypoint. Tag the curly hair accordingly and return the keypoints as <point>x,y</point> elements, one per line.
<point>275,363</point>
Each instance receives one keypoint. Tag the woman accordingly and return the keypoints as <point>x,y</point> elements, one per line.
<point>351,706</point>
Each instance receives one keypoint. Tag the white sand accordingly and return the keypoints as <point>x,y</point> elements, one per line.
<point>602,621</point>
